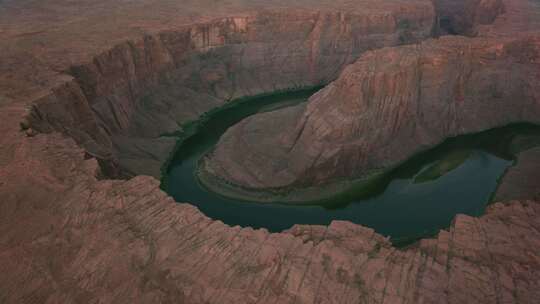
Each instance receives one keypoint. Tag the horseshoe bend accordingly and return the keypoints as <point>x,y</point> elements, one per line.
<point>306,151</point>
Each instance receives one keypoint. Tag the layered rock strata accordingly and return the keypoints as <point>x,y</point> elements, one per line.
<point>119,105</point>
<point>384,108</point>
<point>67,237</point>
<point>368,115</point>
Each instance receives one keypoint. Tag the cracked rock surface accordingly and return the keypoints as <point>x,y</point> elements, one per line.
<point>71,238</point>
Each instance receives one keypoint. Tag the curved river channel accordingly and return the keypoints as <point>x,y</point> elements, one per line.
<point>415,200</point>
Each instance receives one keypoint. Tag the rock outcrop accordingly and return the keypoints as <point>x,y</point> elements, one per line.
<point>384,108</point>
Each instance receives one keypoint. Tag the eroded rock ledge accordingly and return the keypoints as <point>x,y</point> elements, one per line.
<point>77,239</point>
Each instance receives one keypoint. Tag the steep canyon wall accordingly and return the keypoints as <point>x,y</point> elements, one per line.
<point>464,17</point>
<point>119,105</point>
<point>384,108</point>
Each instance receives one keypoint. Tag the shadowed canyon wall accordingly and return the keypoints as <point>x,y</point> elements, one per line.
<point>463,17</point>
<point>119,105</point>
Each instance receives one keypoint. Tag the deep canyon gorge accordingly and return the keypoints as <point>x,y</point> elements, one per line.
<point>97,98</point>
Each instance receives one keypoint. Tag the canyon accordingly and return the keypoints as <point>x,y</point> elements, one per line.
<point>131,95</point>
<point>93,95</point>
<point>387,106</point>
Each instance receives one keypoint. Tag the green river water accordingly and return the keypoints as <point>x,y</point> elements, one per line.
<point>413,201</point>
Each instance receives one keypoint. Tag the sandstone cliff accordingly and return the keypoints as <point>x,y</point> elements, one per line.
<point>384,108</point>
<point>70,238</point>
<point>120,104</point>
<point>67,237</point>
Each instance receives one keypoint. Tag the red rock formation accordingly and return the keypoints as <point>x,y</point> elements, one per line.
<point>82,240</point>
<point>395,102</point>
<point>142,89</point>
<point>70,238</point>
<point>384,108</point>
